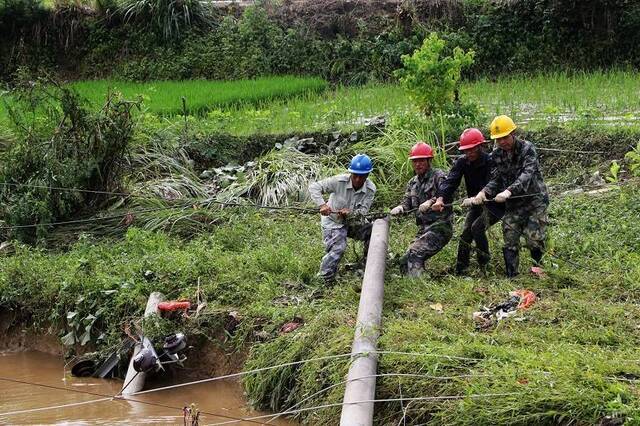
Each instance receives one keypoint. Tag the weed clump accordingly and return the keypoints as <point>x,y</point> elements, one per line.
<point>60,142</point>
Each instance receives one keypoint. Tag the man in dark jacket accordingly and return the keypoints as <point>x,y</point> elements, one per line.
<point>475,167</point>
<point>516,180</point>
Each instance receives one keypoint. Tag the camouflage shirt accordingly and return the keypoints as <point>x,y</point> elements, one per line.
<point>518,171</point>
<point>423,188</point>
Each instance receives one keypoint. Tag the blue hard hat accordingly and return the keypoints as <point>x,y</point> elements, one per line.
<point>361,165</point>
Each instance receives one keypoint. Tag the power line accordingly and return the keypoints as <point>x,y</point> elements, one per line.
<point>369,401</point>
<point>92,219</point>
<point>54,407</point>
<point>323,390</point>
<point>106,397</point>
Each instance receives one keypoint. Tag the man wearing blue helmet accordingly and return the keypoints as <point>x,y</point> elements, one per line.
<point>350,194</point>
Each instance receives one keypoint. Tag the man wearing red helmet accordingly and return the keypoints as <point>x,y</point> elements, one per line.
<point>435,228</point>
<point>475,166</point>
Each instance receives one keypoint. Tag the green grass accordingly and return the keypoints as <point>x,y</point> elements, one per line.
<point>343,109</point>
<point>565,357</point>
<point>561,357</point>
<point>165,97</point>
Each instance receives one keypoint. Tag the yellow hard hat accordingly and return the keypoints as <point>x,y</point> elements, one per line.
<point>501,126</point>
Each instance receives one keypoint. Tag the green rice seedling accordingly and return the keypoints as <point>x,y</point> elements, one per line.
<point>166,97</point>
<point>560,96</point>
<point>344,109</point>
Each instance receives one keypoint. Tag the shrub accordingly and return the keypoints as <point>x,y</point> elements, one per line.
<point>431,78</point>
<point>59,143</point>
<point>167,18</point>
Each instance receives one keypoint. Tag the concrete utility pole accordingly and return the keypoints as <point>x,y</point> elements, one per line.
<point>361,383</point>
<point>134,381</point>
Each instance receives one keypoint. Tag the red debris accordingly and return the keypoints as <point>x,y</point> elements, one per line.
<point>174,305</point>
<point>538,272</point>
<point>291,326</point>
<point>527,298</point>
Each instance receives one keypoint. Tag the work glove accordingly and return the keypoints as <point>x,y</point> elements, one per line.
<point>479,199</point>
<point>426,206</point>
<point>468,202</point>
<point>397,211</point>
<point>502,197</point>
<point>438,206</point>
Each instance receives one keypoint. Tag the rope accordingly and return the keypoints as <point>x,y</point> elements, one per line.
<point>127,385</point>
<point>289,364</point>
<point>569,151</point>
<point>54,407</point>
<point>92,219</point>
<point>106,397</point>
<point>120,397</point>
<point>191,201</point>
<point>242,373</point>
<point>58,188</point>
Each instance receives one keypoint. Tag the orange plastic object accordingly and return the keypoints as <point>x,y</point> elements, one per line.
<point>527,298</point>
<point>174,305</point>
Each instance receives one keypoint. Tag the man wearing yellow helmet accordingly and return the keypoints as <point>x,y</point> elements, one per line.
<point>516,180</point>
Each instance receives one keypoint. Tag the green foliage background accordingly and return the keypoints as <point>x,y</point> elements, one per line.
<point>515,36</point>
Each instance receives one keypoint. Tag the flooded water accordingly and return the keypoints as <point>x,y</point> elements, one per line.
<point>222,399</point>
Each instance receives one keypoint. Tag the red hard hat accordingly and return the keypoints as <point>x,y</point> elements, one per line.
<point>470,138</point>
<point>420,150</point>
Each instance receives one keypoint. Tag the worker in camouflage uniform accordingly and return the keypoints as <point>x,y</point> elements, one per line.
<point>475,167</point>
<point>434,228</point>
<point>516,180</point>
<point>350,195</point>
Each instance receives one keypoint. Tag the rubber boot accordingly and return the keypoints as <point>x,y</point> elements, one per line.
<point>464,254</point>
<point>414,271</point>
<point>536,255</point>
<point>536,269</point>
<point>510,262</point>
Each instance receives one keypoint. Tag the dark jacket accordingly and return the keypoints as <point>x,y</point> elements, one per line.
<point>476,175</point>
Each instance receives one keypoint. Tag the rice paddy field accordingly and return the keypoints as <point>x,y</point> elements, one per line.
<point>603,99</point>
<point>285,105</point>
<point>165,97</point>
<point>572,358</point>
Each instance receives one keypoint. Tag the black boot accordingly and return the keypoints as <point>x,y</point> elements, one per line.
<point>536,255</point>
<point>464,253</point>
<point>510,262</point>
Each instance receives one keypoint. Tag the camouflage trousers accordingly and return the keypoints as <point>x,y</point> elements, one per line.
<point>429,241</point>
<point>531,221</point>
<point>335,243</point>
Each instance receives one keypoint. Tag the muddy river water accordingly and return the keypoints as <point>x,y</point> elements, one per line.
<point>19,401</point>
